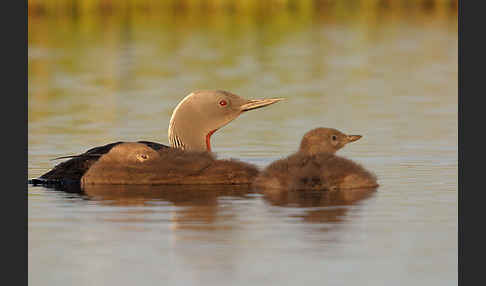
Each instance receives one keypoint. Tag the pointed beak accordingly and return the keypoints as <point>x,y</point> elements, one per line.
<point>352,138</point>
<point>257,103</point>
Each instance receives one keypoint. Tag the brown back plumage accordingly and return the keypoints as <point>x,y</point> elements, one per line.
<point>134,163</point>
<point>72,170</point>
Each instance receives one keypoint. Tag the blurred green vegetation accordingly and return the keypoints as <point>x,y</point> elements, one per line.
<point>283,15</point>
<point>252,7</point>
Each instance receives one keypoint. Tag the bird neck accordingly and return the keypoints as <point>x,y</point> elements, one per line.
<point>310,147</point>
<point>309,151</point>
<point>187,138</point>
<point>191,126</point>
<point>187,134</point>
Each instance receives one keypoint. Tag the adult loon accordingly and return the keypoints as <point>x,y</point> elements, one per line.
<point>187,161</point>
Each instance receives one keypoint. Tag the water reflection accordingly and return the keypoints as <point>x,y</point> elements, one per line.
<point>321,206</point>
<point>197,206</point>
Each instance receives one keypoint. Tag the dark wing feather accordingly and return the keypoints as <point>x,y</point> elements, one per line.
<point>72,170</point>
<point>154,145</point>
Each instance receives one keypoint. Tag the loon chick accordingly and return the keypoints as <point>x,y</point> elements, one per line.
<point>187,161</point>
<point>316,167</point>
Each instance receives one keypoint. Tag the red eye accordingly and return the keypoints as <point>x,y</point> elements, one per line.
<point>223,102</point>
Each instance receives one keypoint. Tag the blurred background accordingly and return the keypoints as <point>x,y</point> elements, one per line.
<point>101,71</point>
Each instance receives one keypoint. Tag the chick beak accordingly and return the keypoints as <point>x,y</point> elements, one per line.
<point>352,138</point>
<point>257,103</point>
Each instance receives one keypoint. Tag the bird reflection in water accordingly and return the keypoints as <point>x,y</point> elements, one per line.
<point>321,206</point>
<point>195,207</point>
<point>200,207</point>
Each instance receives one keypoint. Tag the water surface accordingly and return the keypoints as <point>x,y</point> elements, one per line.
<point>392,79</point>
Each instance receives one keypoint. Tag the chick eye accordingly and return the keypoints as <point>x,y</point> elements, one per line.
<point>333,137</point>
<point>142,157</point>
<point>223,102</point>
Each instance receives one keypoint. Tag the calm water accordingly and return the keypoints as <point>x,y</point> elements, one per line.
<point>392,79</point>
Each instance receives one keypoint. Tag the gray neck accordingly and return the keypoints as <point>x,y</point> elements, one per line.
<point>186,137</point>
<point>185,132</point>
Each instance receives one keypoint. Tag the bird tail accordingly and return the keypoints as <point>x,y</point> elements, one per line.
<point>65,185</point>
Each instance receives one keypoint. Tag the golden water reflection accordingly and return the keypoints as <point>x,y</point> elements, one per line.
<point>324,206</point>
<point>197,207</point>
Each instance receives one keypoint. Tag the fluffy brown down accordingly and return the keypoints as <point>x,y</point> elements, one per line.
<point>136,164</point>
<point>314,172</point>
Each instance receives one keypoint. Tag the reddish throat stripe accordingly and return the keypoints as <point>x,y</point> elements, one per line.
<point>208,140</point>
